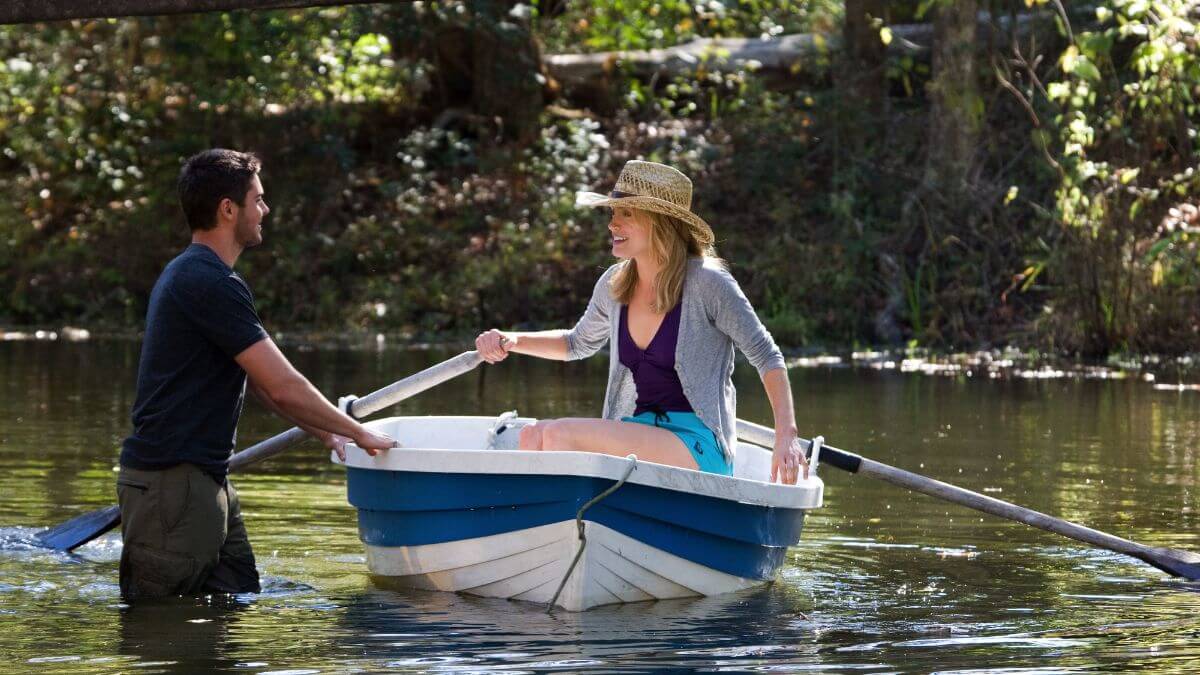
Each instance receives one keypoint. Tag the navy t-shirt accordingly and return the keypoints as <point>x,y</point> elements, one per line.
<point>189,388</point>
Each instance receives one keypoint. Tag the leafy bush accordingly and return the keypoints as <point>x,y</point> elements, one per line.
<point>395,209</point>
<point>1127,97</point>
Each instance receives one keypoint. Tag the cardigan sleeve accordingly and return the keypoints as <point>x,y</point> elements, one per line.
<point>733,316</point>
<point>592,330</point>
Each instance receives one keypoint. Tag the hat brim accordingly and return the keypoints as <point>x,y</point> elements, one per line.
<point>700,229</point>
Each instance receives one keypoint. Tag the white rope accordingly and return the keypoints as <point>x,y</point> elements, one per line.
<point>499,427</point>
<point>579,525</point>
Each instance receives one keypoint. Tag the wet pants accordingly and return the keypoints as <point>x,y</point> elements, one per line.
<point>183,535</point>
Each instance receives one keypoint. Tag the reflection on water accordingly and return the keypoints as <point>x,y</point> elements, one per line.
<point>884,580</point>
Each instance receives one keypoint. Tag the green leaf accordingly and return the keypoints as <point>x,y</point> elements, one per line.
<point>1157,249</point>
<point>1086,69</point>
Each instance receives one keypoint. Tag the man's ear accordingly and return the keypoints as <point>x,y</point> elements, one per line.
<point>226,208</point>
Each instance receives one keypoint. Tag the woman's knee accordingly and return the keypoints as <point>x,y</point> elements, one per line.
<point>531,436</point>
<point>556,435</point>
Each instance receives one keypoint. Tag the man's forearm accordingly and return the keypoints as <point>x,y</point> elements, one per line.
<point>318,433</point>
<point>300,402</point>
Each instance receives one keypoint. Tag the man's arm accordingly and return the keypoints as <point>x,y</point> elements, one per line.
<point>287,392</point>
<point>328,438</point>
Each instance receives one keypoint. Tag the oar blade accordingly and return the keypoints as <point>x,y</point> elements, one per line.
<point>1173,561</point>
<point>81,529</point>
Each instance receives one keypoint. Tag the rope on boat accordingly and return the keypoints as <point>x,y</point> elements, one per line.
<point>579,525</point>
<point>500,426</point>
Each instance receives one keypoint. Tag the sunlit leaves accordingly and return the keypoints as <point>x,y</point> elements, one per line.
<point>616,25</point>
<point>1128,139</point>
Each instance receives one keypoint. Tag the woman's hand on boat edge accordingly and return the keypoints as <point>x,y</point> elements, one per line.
<point>493,346</point>
<point>788,461</point>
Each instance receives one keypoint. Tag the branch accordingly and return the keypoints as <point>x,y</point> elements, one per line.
<point>30,11</point>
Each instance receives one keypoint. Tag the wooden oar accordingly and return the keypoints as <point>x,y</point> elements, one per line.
<point>1178,563</point>
<point>82,529</point>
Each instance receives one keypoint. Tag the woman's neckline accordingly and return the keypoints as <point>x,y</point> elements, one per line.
<point>657,331</point>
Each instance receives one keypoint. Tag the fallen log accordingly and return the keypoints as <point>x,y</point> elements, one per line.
<point>783,55</point>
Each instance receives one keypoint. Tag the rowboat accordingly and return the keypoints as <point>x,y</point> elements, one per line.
<point>460,509</point>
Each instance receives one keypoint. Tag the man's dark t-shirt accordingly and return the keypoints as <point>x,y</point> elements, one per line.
<point>189,388</point>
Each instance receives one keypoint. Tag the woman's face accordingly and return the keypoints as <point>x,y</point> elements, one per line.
<point>630,230</point>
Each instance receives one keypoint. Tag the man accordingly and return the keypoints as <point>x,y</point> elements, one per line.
<point>181,524</point>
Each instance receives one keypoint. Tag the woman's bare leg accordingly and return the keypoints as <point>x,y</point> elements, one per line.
<point>608,437</point>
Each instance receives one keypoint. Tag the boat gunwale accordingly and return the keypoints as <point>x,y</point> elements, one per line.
<point>806,494</point>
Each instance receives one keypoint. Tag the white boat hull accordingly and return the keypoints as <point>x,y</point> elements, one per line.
<point>446,513</point>
<point>530,564</point>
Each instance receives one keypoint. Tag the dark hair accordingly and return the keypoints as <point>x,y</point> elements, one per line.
<point>210,176</point>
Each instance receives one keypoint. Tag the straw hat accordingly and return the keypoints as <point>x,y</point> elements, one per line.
<point>651,186</point>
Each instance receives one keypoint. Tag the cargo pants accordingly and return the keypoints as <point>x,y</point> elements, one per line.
<point>183,535</point>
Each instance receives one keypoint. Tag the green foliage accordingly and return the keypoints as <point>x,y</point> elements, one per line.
<point>98,114</point>
<point>616,25</point>
<point>397,207</point>
<point>1128,110</point>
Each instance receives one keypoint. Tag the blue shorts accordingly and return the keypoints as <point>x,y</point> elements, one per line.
<point>696,437</point>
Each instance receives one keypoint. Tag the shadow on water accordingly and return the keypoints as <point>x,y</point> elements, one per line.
<point>180,634</point>
<point>488,633</point>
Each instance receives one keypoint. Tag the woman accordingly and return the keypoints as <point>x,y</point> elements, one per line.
<point>673,315</point>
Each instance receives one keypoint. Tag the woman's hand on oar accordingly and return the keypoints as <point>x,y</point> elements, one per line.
<point>493,346</point>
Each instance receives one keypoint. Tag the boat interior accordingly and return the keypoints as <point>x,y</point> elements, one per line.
<point>752,462</point>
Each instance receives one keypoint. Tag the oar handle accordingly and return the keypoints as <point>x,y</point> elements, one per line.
<point>365,406</point>
<point>1176,562</point>
<point>764,436</point>
<point>415,384</point>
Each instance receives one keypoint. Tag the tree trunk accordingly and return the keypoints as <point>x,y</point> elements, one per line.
<point>862,75</point>
<point>506,69</point>
<point>956,108</point>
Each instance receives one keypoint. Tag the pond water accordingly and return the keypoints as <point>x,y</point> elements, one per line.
<point>883,581</point>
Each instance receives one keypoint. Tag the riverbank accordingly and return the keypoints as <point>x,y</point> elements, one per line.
<point>398,206</point>
<point>1177,373</point>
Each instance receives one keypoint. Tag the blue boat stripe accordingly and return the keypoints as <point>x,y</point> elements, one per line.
<point>415,491</point>
<point>413,509</point>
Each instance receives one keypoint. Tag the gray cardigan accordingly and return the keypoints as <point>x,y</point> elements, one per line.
<point>715,316</point>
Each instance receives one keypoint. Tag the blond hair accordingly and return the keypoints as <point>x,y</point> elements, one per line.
<point>672,243</point>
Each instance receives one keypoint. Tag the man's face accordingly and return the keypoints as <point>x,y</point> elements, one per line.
<point>250,216</point>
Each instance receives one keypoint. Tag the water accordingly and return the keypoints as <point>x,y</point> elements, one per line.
<point>884,580</point>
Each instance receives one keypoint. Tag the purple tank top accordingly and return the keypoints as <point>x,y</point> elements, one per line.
<point>653,369</point>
